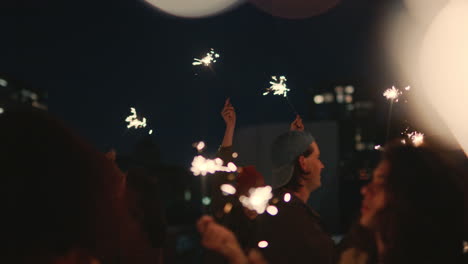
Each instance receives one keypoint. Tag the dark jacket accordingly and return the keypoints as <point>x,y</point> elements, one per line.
<point>295,234</point>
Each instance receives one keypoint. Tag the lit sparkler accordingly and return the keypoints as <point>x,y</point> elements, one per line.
<point>210,58</point>
<point>392,93</point>
<point>258,199</point>
<point>200,146</point>
<point>203,166</point>
<point>227,189</point>
<point>417,138</point>
<point>263,244</point>
<point>133,120</point>
<point>272,210</point>
<point>278,86</point>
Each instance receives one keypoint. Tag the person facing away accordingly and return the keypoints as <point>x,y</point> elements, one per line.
<point>63,202</point>
<point>412,211</point>
<point>295,234</point>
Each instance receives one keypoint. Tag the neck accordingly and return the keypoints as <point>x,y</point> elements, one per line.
<point>302,194</point>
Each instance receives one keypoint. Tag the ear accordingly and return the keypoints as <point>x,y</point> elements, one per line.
<point>302,163</point>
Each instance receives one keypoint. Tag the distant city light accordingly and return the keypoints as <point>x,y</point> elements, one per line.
<point>339,89</point>
<point>206,200</point>
<point>319,99</point>
<point>329,97</point>
<point>187,195</point>
<point>349,89</point>
<point>340,98</point>
<point>3,82</point>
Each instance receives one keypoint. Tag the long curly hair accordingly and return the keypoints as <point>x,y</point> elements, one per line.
<point>423,218</point>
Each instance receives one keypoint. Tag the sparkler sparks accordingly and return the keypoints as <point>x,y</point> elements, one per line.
<point>417,138</point>
<point>200,146</point>
<point>258,199</point>
<point>133,120</point>
<point>278,86</point>
<point>203,166</point>
<point>210,58</point>
<point>392,93</point>
<point>272,210</point>
<point>263,244</point>
<point>227,189</point>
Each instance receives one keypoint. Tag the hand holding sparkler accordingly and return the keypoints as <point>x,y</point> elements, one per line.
<point>229,114</point>
<point>297,124</point>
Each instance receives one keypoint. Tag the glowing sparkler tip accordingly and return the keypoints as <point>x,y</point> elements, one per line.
<point>200,146</point>
<point>133,120</point>
<point>207,60</point>
<point>416,138</point>
<point>392,93</point>
<point>278,87</point>
<point>227,189</point>
<point>287,197</point>
<point>258,199</point>
<point>272,210</point>
<point>202,166</point>
<point>263,244</point>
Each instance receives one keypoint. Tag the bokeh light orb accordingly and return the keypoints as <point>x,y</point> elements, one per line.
<point>295,9</point>
<point>444,67</point>
<point>194,8</point>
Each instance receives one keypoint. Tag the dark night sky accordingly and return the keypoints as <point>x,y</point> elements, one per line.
<point>96,59</point>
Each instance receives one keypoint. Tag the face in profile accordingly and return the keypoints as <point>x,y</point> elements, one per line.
<point>312,167</point>
<point>374,195</point>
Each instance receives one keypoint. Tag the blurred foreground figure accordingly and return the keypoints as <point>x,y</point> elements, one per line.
<point>63,201</point>
<point>412,211</point>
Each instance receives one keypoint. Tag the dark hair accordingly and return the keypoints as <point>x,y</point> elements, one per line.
<point>294,184</point>
<point>60,194</point>
<point>422,221</point>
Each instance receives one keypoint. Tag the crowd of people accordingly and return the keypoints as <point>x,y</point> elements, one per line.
<point>67,203</point>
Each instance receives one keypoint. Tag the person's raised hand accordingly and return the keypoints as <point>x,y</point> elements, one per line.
<point>297,124</point>
<point>229,114</point>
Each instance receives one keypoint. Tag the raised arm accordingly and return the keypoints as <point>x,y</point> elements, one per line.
<point>229,115</point>
<point>297,124</point>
